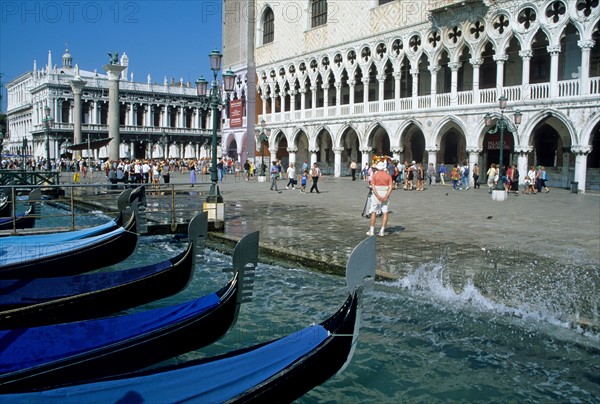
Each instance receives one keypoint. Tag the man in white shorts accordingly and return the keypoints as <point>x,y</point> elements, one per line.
<point>382,185</point>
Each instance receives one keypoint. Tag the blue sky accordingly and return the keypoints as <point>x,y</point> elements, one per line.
<point>161,38</point>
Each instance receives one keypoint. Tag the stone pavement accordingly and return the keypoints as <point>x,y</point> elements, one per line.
<point>423,225</point>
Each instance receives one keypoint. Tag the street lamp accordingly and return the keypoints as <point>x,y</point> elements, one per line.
<point>24,152</point>
<point>47,121</point>
<point>163,140</point>
<point>262,137</point>
<point>214,101</point>
<point>501,125</point>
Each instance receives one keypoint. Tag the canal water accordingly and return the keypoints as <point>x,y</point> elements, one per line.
<point>420,341</point>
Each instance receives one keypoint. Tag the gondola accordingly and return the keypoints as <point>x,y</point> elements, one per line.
<point>34,302</point>
<point>20,259</point>
<point>5,206</point>
<point>25,220</point>
<point>44,356</point>
<point>277,371</point>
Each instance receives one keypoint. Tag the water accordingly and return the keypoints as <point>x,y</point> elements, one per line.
<point>421,341</point>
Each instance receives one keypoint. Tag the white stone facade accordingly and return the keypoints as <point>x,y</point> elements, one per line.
<point>414,80</point>
<point>155,120</point>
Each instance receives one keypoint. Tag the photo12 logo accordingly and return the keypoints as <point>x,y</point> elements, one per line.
<point>69,12</point>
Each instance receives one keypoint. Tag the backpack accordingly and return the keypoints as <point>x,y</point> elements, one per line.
<point>466,171</point>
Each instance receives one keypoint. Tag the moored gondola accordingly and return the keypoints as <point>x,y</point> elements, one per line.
<point>34,302</point>
<point>39,357</point>
<point>277,371</point>
<point>20,259</point>
<point>25,220</point>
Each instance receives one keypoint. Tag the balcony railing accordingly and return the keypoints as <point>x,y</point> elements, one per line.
<point>566,89</point>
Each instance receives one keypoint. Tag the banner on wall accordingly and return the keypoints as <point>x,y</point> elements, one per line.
<point>235,114</point>
<point>493,141</point>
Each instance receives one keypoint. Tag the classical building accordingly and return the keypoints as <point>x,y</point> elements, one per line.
<point>155,120</point>
<point>344,80</point>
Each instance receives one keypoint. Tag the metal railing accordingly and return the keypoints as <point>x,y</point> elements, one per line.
<point>77,205</point>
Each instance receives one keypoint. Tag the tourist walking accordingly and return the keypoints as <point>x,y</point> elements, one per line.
<point>543,179</point>
<point>303,180</point>
<point>247,170</point>
<point>274,172</point>
<point>291,176</point>
<point>315,173</point>
<point>443,174</point>
<point>492,177</point>
<point>475,176</point>
<point>420,177</point>
<point>464,176</point>
<point>455,176</point>
<point>192,168</point>
<point>431,174</point>
<point>381,186</point>
<point>353,170</point>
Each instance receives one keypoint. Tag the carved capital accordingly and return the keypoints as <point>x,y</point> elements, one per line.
<point>273,150</point>
<point>586,44</point>
<point>553,49</point>
<point>432,149</point>
<point>366,151</point>
<point>338,150</point>
<point>313,150</point>
<point>526,53</point>
<point>397,150</point>
<point>476,61</point>
<point>434,69</point>
<point>292,149</point>
<point>523,150</point>
<point>414,71</point>
<point>500,58</point>
<point>474,150</point>
<point>581,150</point>
<point>454,66</point>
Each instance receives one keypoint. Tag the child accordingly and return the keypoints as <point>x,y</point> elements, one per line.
<point>303,181</point>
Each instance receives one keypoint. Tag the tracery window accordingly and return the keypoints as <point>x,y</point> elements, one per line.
<point>268,26</point>
<point>319,13</point>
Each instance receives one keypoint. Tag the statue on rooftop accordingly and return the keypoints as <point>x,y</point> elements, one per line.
<point>114,58</point>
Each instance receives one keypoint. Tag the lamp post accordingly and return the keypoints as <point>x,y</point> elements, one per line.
<point>163,140</point>
<point>24,152</point>
<point>47,121</point>
<point>214,101</point>
<point>262,137</point>
<point>501,126</point>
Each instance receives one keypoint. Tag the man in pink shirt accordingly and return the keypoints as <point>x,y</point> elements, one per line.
<point>382,185</point>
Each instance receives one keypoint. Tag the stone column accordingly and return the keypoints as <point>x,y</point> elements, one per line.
<point>433,70</point>
<point>325,88</point>
<point>337,167</point>
<point>313,156</point>
<point>500,59</point>
<point>476,63</point>
<point>522,152</point>
<point>313,94</point>
<point>292,153</point>
<point>264,104</point>
<point>365,81</point>
<point>415,87</point>
<point>273,107</point>
<point>292,94</point>
<point>581,153</point>
<point>77,85</point>
<point>338,97</point>
<point>525,89</point>
<point>584,74</point>
<point>302,102</point>
<point>351,84</point>
<point>554,52</point>
<point>454,83</point>
<point>397,153</point>
<point>474,159</point>
<point>431,158</point>
<point>366,156</point>
<point>380,92</point>
<point>114,73</point>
